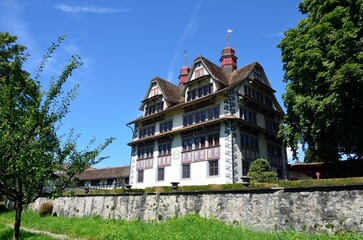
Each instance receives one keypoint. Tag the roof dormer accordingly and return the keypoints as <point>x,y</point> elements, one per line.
<point>160,95</point>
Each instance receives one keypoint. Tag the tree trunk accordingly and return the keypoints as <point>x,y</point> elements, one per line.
<point>19,209</point>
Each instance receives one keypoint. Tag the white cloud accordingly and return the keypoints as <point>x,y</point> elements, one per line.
<point>89,9</point>
<point>189,30</point>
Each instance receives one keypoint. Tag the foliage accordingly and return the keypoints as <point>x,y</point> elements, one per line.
<point>46,209</point>
<point>311,156</point>
<point>260,171</point>
<point>322,58</point>
<point>186,227</point>
<point>31,152</point>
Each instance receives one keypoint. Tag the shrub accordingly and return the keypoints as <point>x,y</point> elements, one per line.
<point>260,171</point>
<point>46,209</point>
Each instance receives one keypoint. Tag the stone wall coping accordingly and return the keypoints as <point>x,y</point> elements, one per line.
<point>238,191</point>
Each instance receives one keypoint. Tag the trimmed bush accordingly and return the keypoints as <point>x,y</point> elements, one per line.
<point>260,171</point>
<point>46,209</point>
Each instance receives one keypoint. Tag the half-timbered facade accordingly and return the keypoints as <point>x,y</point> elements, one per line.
<point>208,129</point>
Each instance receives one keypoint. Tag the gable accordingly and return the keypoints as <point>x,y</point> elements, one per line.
<point>159,90</point>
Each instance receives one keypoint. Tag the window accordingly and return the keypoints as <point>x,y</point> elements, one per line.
<point>186,171</point>
<point>216,112</point>
<point>187,144</point>
<point>161,174</point>
<point>213,168</point>
<point>248,116</point>
<point>257,75</point>
<point>213,140</point>
<point>146,132</point>
<point>165,149</point>
<point>197,142</point>
<point>271,125</point>
<point>197,117</point>
<point>145,153</point>
<point>249,145</point>
<point>140,176</point>
<point>151,109</point>
<point>166,126</point>
<point>201,116</point>
<point>199,92</point>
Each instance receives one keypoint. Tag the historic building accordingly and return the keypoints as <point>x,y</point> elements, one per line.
<point>105,178</point>
<point>208,129</point>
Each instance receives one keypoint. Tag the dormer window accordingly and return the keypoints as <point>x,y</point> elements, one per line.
<point>200,92</point>
<point>155,90</point>
<point>151,109</point>
<point>199,72</point>
<point>257,75</point>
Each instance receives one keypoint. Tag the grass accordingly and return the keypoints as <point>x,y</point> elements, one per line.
<point>7,233</point>
<point>188,227</point>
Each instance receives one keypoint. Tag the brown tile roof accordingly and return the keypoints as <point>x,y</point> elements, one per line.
<point>217,72</point>
<point>105,173</point>
<point>174,93</point>
<point>241,73</point>
<point>170,91</point>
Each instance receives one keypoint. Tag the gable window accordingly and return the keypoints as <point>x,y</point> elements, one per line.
<point>213,168</point>
<point>161,174</point>
<point>199,72</point>
<point>186,171</point>
<point>151,109</point>
<point>257,75</point>
<point>140,176</point>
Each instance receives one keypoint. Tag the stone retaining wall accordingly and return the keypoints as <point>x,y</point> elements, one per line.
<point>310,209</point>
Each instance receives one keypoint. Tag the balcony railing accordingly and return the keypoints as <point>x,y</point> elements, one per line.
<point>164,160</point>
<point>144,164</point>
<point>198,155</point>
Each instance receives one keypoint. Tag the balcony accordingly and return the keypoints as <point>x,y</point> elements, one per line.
<point>198,155</point>
<point>164,160</point>
<point>145,163</point>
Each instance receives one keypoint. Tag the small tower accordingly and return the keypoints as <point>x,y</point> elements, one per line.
<point>184,71</point>
<point>228,59</point>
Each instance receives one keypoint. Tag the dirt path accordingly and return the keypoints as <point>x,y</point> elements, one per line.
<point>53,235</point>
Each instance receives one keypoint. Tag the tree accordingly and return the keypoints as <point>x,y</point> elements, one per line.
<point>30,149</point>
<point>260,171</point>
<point>322,58</point>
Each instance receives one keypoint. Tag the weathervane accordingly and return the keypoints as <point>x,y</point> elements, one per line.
<point>227,36</point>
<point>186,57</point>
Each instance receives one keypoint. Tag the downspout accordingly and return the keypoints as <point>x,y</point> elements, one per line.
<point>231,124</point>
<point>133,135</point>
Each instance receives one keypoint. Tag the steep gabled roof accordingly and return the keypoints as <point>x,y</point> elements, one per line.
<point>170,91</point>
<point>104,173</point>
<point>217,72</point>
<point>241,73</point>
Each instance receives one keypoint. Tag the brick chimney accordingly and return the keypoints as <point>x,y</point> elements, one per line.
<point>183,76</point>
<point>228,59</point>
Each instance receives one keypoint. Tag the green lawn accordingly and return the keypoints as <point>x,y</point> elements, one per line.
<point>189,227</point>
<point>7,233</point>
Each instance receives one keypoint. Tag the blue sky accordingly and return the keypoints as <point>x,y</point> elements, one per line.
<point>124,44</point>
